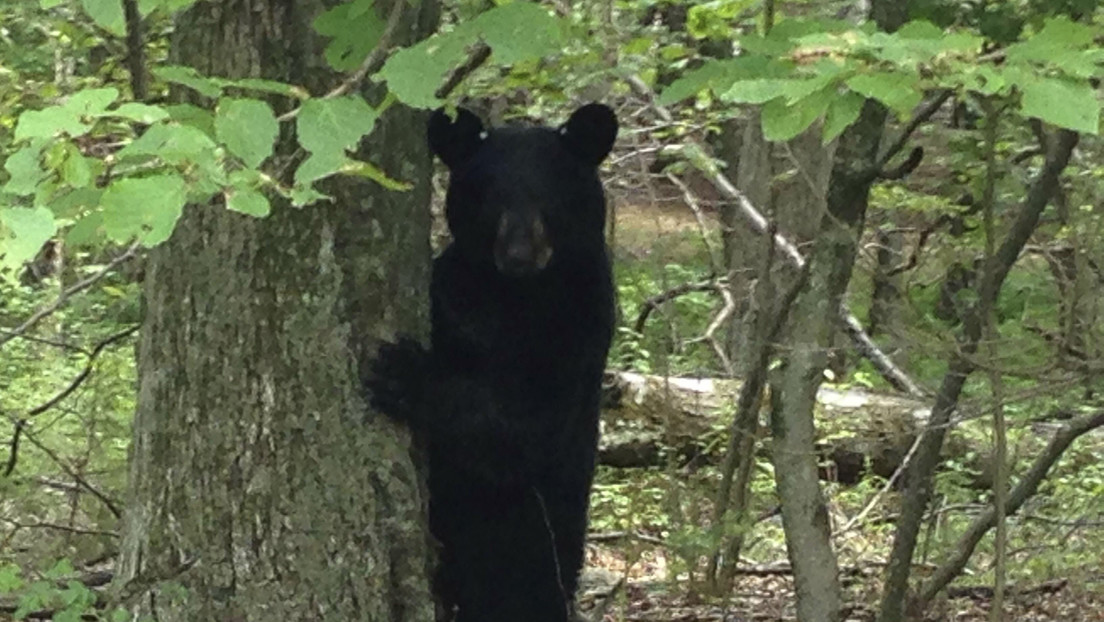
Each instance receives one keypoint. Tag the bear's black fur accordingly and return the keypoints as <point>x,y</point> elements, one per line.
<point>507,396</point>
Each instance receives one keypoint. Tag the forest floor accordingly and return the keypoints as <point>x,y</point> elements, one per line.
<point>648,595</point>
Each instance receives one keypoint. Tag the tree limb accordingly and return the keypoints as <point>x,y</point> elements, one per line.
<point>894,375</point>
<point>919,119</point>
<point>962,551</point>
<point>918,478</point>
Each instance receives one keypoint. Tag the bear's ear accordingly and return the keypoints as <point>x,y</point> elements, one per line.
<point>590,133</point>
<point>453,141</point>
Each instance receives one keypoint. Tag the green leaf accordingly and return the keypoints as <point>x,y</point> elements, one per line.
<point>519,31</point>
<point>756,91</point>
<point>920,29</point>
<point>1061,45</point>
<point>900,92</point>
<point>25,170</point>
<point>172,143</point>
<point>73,202</point>
<point>193,116</point>
<point>189,77</point>
<point>516,32</point>
<point>108,14</point>
<point>354,29</point>
<point>334,124</point>
<point>25,231</point>
<point>141,113</point>
<point>86,231</point>
<point>842,112</point>
<point>318,166</point>
<point>1068,104</point>
<point>413,74</point>
<point>719,75</point>
<point>48,123</point>
<point>247,201</point>
<point>248,128</point>
<point>10,581</point>
<point>146,207</point>
<point>781,122</point>
<point>75,170</point>
<point>91,102</point>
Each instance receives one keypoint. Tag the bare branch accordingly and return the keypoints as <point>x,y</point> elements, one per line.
<point>692,201</point>
<point>62,298</point>
<point>653,303</point>
<point>13,454</point>
<point>110,504</point>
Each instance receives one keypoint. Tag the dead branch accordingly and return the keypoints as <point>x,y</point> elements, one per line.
<point>654,302</point>
<point>692,201</point>
<point>110,504</point>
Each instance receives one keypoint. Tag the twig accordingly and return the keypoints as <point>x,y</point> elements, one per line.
<point>54,401</point>
<point>479,55</point>
<point>111,505</point>
<point>906,167</point>
<point>371,63</point>
<point>897,473</point>
<point>57,527</point>
<point>1027,486</point>
<point>49,342</point>
<point>64,296</point>
<point>692,201</point>
<point>83,375</point>
<point>653,303</point>
<point>919,119</point>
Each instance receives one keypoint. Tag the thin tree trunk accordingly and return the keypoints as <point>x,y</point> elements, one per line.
<point>259,482</point>
<point>793,433</point>
<point>918,476</point>
<point>964,548</point>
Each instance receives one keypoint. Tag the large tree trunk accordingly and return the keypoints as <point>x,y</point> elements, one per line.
<point>259,482</point>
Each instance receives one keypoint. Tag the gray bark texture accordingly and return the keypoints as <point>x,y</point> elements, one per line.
<point>261,488</point>
<point>793,397</point>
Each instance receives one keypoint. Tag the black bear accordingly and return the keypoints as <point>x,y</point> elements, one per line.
<point>506,398</point>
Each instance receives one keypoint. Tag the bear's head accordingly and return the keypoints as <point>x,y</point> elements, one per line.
<point>522,199</point>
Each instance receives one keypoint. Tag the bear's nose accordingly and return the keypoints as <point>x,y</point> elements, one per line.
<point>521,248</point>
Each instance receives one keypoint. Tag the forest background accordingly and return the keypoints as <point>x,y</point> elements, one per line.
<point>858,262</point>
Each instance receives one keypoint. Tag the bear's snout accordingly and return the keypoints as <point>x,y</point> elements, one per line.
<point>521,246</point>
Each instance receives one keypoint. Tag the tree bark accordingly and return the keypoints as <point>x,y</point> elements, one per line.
<point>259,482</point>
